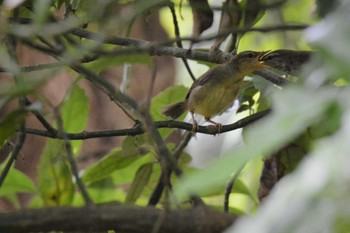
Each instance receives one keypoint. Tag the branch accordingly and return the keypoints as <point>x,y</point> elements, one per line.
<point>138,129</point>
<point>124,102</point>
<point>126,219</point>
<point>158,190</point>
<point>138,46</point>
<point>72,162</point>
<point>272,77</point>
<point>123,41</point>
<point>179,42</point>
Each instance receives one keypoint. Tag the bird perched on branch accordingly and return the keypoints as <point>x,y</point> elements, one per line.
<point>215,90</point>
<point>288,61</point>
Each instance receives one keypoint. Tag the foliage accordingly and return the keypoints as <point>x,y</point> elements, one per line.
<point>311,114</point>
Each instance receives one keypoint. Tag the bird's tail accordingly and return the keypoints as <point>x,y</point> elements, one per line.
<point>174,110</point>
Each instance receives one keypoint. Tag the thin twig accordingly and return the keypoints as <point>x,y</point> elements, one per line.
<point>179,43</point>
<point>16,149</point>
<point>72,162</point>
<point>123,41</point>
<point>151,85</point>
<point>228,190</point>
<point>128,106</point>
<point>160,146</point>
<point>37,67</point>
<point>41,118</point>
<point>158,190</point>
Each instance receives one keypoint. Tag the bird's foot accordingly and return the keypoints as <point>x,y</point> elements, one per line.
<point>195,127</point>
<point>217,126</point>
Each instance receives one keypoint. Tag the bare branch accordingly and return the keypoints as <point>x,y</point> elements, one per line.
<point>126,219</point>
<point>138,129</point>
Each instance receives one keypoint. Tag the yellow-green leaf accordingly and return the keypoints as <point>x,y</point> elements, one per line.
<point>141,179</point>
<point>116,159</point>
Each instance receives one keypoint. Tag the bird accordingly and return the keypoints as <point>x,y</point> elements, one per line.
<point>287,61</point>
<point>215,90</point>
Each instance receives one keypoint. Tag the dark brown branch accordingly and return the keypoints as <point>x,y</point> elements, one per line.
<point>138,129</point>
<point>41,118</point>
<point>126,219</point>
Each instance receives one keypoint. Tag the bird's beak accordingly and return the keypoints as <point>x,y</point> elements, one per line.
<point>260,60</point>
<point>262,56</point>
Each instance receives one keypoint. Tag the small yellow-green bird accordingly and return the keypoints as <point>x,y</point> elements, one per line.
<point>215,90</point>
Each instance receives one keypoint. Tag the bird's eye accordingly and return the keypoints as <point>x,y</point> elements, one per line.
<point>250,55</point>
<point>268,57</point>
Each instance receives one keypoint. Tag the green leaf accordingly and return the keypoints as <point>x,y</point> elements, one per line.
<point>140,181</point>
<point>75,110</point>
<point>115,160</point>
<point>74,114</point>
<point>168,96</point>
<point>56,186</point>
<point>16,182</point>
<point>241,187</point>
<point>294,110</point>
<point>9,123</point>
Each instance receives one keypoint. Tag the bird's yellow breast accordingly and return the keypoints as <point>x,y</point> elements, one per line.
<point>213,99</point>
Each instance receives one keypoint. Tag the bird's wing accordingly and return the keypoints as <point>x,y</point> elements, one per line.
<point>203,79</point>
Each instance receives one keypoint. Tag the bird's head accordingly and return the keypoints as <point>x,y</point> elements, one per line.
<point>249,61</point>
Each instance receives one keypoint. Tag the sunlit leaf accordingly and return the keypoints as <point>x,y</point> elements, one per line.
<point>74,113</point>
<point>241,187</point>
<point>75,110</point>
